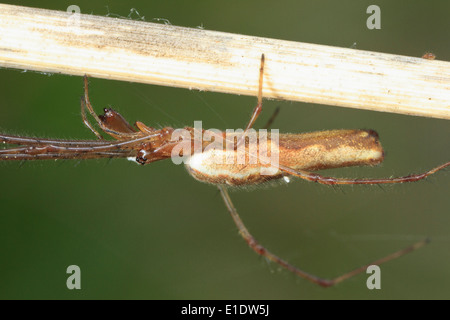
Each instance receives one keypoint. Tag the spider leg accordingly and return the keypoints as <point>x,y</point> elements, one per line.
<point>315,177</point>
<point>259,249</point>
<point>257,110</point>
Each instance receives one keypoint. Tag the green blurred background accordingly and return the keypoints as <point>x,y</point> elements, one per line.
<point>155,233</point>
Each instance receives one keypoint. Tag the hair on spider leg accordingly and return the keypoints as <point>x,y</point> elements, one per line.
<point>108,162</point>
<point>22,163</point>
<point>338,188</point>
<point>269,265</point>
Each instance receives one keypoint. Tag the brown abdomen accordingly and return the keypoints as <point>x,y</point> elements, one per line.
<point>306,151</point>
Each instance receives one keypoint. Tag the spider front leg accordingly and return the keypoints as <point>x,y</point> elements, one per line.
<point>257,110</point>
<point>259,249</point>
